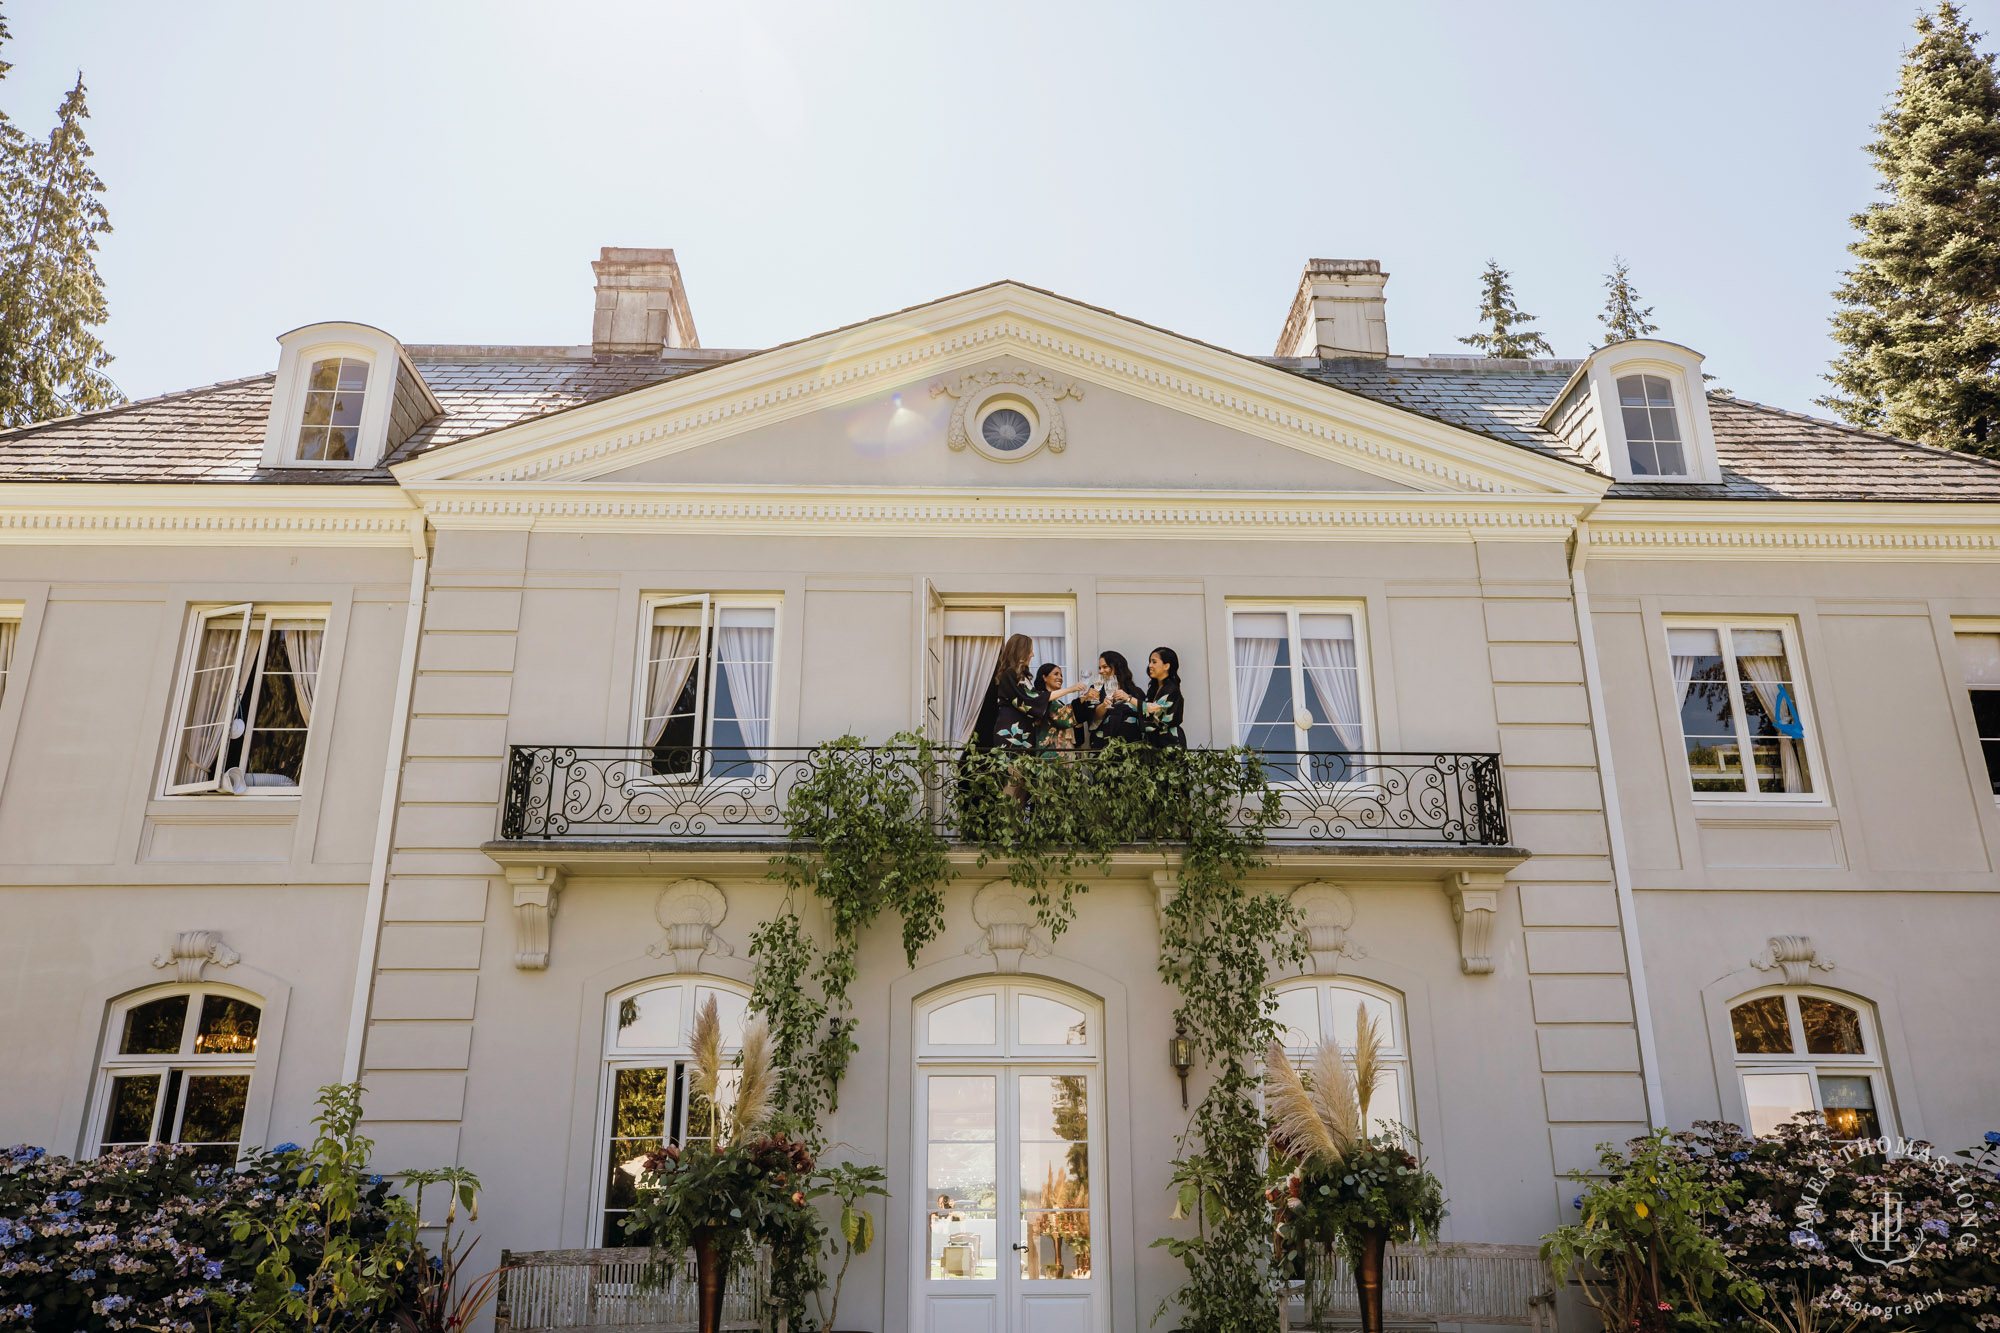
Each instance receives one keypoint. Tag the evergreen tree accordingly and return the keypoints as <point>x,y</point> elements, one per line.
<point>1505,335</point>
<point>51,297</point>
<point>1920,334</point>
<point>1623,318</point>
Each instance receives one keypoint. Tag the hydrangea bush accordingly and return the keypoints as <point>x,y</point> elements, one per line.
<point>136,1238</point>
<point>1804,1231</point>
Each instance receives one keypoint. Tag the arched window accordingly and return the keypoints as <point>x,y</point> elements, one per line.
<point>1799,1051</point>
<point>1652,431</point>
<point>176,1069</point>
<point>1310,1011</point>
<point>648,1098</point>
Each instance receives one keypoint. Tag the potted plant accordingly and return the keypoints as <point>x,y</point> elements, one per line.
<point>739,1187</point>
<point>1345,1185</point>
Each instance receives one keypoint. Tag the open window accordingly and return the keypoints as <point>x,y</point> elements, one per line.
<point>707,677</point>
<point>968,650</point>
<point>648,1094</point>
<point>244,702</point>
<point>1979,650</point>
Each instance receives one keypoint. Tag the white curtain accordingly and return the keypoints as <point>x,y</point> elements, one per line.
<point>1336,678</point>
<point>745,652</point>
<point>210,702</point>
<point>1256,668</point>
<point>969,662</point>
<point>673,655</point>
<point>8,629</point>
<point>302,645</point>
<point>1049,648</point>
<point>1683,677</point>
<point>1765,675</point>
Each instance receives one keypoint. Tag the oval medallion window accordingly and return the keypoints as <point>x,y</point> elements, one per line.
<point>1006,430</point>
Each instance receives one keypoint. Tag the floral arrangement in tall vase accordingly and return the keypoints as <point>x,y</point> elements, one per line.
<point>1345,1185</point>
<point>744,1185</point>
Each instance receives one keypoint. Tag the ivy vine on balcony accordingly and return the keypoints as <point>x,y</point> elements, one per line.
<point>865,839</point>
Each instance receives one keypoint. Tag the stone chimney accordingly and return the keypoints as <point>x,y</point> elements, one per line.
<point>642,308</point>
<point>1339,311</point>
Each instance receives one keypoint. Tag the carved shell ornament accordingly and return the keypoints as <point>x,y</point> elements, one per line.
<point>1007,415</point>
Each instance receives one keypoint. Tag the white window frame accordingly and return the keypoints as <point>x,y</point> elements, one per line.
<point>1394,1027</point>
<point>15,614</point>
<point>1681,368</point>
<point>1798,1060</point>
<point>1958,627</point>
<point>1007,1043</point>
<point>111,1065</point>
<point>257,620</point>
<point>1009,607</point>
<point>711,604</point>
<point>317,342</point>
<point>1293,609</point>
<point>615,1058</point>
<point>1801,699</point>
<point>1683,421</point>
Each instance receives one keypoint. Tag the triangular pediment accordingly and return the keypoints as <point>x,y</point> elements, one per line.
<point>879,404</point>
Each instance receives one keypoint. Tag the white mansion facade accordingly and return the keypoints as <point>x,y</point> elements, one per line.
<point>1666,728</point>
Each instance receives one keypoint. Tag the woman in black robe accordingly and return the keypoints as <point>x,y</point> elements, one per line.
<point>1164,713</point>
<point>1111,707</point>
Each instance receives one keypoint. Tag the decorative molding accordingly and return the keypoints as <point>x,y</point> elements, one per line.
<point>193,950</point>
<point>909,512</point>
<point>690,910</point>
<point>1786,530</point>
<point>975,388</point>
<point>537,894</point>
<point>1327,913</point>
<point>85,513</point>
<point>1166,884</point>
<point>1475,903</point>
<point>1005,319</point>
<point>1006,922</point>
<point>1794,955</point>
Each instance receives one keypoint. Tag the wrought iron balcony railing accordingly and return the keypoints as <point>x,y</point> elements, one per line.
<point>694,793</point>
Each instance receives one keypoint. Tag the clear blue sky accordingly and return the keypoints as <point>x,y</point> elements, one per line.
<point>447,171</point>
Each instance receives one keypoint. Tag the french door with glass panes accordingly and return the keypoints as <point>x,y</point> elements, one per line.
<point>1009,1231</point>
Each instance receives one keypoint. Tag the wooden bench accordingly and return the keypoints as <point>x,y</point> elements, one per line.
<point>1446,1284</point>
<point>565,1289</point>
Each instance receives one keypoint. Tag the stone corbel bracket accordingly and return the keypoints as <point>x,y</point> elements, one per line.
<point>1475,902</point>
<point>689,910</point>
<point>1795,955</point>
<point>1006,921</point>
<point>1326,913</point>
<point>537,892</point>
<point>193,950</point>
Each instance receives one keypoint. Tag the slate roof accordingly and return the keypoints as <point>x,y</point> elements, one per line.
<point>216,434</point>
<point>1767,453</point>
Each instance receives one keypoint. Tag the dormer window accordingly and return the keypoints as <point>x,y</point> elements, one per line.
<point>1652,434</point>
<point>345,396</point>
<point>1637,412</point>
<point>330,428</point>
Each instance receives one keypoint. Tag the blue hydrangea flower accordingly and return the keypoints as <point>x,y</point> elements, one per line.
<point>1937,1226</point>
<point>82,1274</point>
<point>374,1180</point>
<point>1806,1240</point>
<point>286,1147</point>
<point>1577,1202</point>
<point>1739,1157</point>
<point>212,1269</point>
<point>1992,1136</point>
<point>298,1288</point>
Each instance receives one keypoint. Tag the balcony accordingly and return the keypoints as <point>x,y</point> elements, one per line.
<point>688,811</point>
<point>705,795</point>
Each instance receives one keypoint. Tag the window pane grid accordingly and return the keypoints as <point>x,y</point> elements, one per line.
<point>1743,724</point>
<point>1799,1053</point>
<point>330,422</point>
<point>178,1074</point>
<point>1292,665</point>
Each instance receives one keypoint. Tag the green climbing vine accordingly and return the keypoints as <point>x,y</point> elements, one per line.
<point>866,838</point>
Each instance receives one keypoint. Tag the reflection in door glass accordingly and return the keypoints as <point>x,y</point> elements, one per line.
<point>1055,1176</point>
<point>1051,1023</point>
<point>961,1179</point>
